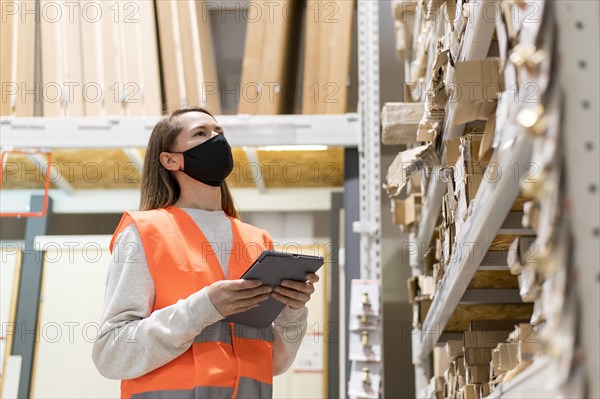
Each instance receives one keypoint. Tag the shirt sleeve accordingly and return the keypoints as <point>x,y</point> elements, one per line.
<point>132,339</point>
<point>289,330</point>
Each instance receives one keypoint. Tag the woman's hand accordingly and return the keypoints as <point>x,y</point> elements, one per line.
<point>295,294</point>
<point>235,296</point>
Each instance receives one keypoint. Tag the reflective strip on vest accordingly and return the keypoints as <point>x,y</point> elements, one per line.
<point>195,393</point>
<point>251,332</point>
<point>249,388</point>
<point>221,332</point>
<point>218,332</point>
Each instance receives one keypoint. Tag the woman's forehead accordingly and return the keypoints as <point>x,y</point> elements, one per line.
<point>191,119</point>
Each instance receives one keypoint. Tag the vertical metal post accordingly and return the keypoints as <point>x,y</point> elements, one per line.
<point>369,225</point>
<point>579,53</point>
<point>26,332</point>
<point>352,249</point>
<point>333,346</point>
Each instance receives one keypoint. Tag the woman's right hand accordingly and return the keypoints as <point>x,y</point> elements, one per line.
<point>236,296</point>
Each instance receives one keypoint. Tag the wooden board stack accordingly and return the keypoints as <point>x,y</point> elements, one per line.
<point>328,48</point>
<point>99,59</point>
<point>270,57</point>
<point>17,62</point>
<point>187,55</point>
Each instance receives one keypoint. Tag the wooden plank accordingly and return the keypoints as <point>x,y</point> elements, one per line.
<point>252,62</point>
<point>313,59</point>
<point>92,65</point>
<point>111,58</point>
<point>302,168</point>
<point>328,56</point>
<point>338,17</point>
<point>151,92</point>
<point>270,57</point>
<point>190,50</point>
<point>464,314</point>
<point>494,279</point>
<point>72,60</point>
<point>52,49</point>
<point>133,71</point>
<point>212,100</point>
<point>170,54</point>
<point>25,66</point>
<point>7,60</point>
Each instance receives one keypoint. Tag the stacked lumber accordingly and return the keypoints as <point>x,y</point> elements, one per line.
<point>270,57</point>
<point>327,57</point>
<point>17,62</point>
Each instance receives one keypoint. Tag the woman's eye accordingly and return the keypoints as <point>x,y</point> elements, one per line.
<point>201,133</point>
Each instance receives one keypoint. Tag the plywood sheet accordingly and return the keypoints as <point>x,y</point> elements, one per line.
<point>463,314</point>
<point>170,54</point>
<point>327,56</point>
<point>289,169</point>
<point>270,57</point>
<point>111,169</point>
<point>212,100</point>
<point>7,61</point>
<point>494,279</point>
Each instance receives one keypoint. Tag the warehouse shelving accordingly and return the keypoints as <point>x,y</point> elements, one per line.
<point>579,79</point>
<point>131,132</point>
<point>481,29</point>
<point>480,228</point>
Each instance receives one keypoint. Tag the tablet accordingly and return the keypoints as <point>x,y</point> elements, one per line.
<point>271,268</point>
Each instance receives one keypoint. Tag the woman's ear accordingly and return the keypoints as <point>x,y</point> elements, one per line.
<point>171,161</point>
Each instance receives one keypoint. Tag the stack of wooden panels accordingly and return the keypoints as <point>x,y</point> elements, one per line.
<point>327,57</point>
<point>99,58</point>
<point>270,57</point>
<point>17,49</point>
<point>187,55</point>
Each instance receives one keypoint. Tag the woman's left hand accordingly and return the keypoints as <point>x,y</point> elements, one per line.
<point>295,294</point>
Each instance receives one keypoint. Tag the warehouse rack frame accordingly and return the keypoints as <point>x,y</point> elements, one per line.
<point>578,73</point>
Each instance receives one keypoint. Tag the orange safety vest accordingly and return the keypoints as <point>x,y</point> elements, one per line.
<point>227,360</point>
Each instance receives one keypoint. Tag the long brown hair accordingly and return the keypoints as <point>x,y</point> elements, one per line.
<point>159,187</point>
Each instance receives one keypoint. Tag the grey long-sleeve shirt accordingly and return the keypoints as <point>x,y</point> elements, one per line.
<point>133,340</point>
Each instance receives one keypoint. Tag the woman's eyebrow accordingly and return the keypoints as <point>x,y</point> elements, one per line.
<point>204,127</point>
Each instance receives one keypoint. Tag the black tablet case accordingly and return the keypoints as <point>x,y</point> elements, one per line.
<point>271,268</point>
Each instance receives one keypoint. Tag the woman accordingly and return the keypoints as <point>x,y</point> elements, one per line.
<point>175,275</point>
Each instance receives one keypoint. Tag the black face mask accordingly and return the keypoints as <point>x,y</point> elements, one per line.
<point>209,162</point>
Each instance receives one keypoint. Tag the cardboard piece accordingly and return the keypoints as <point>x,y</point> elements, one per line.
<point>400,122</point>
<point>459,366</point>
<point>508,356</point>
<point>484,339</point>
<point>478,356</point>
<point>412,286</point>
<point>527,350</point>
<point>477,86</point>
<point>426,285</point>
<point>519,252</point>
<point>440,361</point>
<point>470,391</point>
<point>406,211</point>
<point>485,390</point>
<point>478,374</point>
<point>531,215</point>
<point>451,151</point>
<point>405,165</point>
<point>485,150</point>
<point>523,332</point>
<point>481,325</point>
